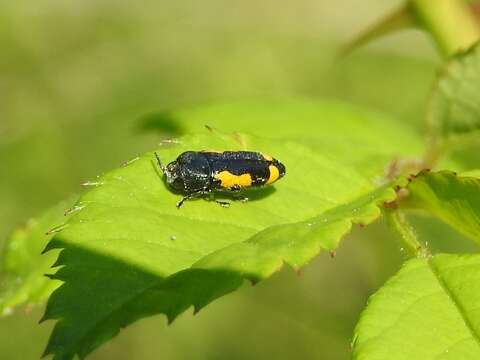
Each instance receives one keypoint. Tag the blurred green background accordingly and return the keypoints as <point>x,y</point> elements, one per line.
<point>78,77</point>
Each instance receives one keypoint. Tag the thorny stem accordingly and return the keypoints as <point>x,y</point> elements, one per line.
<point>454,27</point>
<point>451,23</point>
<point>398,222</point>
<point>399,19</point>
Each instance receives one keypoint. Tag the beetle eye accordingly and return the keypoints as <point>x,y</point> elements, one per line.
<point>171,167</point>
<point>178,183</point>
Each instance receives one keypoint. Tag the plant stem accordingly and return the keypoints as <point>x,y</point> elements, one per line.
<point>397,221</point>
<point>399,19</point>
<point>451,23</point>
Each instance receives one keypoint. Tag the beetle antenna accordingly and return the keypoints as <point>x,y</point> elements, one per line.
<point>162,167</point>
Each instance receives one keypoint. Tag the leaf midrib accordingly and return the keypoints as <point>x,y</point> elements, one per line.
<point>453,299</point>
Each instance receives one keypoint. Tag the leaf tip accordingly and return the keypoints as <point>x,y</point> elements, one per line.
<point>196,309</point>
<point>170,318</point>
<point>52,244</point>
<point>44,318</point>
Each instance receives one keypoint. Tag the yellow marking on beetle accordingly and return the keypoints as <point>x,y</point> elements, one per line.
<point>229,180</point>
<point>274,174</point>
<point>267,157</point>
<point>212,151</point>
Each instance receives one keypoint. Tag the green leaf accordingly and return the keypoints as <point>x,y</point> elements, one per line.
<point>23,268</point>
<point>454,199</point>
<point>351,135</point>
<point>472,173</point>
<point>429,310</point>
<point>129,253</point>
<point>454,109</point>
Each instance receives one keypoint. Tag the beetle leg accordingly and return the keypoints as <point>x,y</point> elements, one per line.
<point>241,198</point>
<point>185,198</point>
<point>237,196</point>
<point>223,203</point>
<point>191,196</point>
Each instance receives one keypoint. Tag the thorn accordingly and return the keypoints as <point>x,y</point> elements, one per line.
<point>128,162</point>
<point>92,183</point>
<point>56,229</point>
<point>169,142</point>
<point>208,127</point>
<point>333,253</point>
<point>73,209</point>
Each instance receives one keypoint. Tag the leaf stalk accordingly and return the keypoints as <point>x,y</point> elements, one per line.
<point>398,222</point>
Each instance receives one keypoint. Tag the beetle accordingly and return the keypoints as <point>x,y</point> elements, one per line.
<point>197,173</point>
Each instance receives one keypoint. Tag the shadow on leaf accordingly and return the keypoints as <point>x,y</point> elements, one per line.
<point>123,293</point>
<point>164,124</point>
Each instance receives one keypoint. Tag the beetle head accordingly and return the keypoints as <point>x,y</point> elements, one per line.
<point>174,176</point>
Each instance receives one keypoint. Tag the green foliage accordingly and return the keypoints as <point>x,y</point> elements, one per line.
<point>23,267</point>
<point>472,173</point>
<point>454,199</point>
<point>435,295</point>
<point>363,140</point>
<point>129,253</point>
<point>454,110</point>
<point>429,310</point>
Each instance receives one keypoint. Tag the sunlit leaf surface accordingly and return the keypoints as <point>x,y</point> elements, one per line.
<point>23,267</point>
<point>453,198</point>
<point>429,310</point>
<point>129,252</point>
